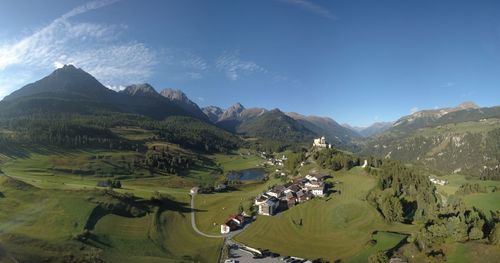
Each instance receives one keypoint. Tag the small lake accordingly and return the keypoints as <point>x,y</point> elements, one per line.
<point>254,174</point>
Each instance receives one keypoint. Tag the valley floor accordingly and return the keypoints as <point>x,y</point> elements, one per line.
<point>37,221</point>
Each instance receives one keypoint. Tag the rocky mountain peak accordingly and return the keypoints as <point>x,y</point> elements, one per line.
<point>467,105</point>
<point>233,112</point>
<point>144,90</point>
<point>174,95</point>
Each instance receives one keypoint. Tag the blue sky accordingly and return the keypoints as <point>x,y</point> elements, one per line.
<point>355,61</point>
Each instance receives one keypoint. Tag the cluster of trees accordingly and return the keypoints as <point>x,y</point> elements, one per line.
<point>335,160</point>
<point>61,130</point>
<point>110,183</point>
<point>404,193</point>
<point>164,161</point>
<point>195,134</point>
<point>457,223</point>
<point>268,146</point>
<point>94,130</point>
<point>293,161</point>
<point>469,188</point>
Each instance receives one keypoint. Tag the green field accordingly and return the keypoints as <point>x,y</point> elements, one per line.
<point>65,181</point>
<point>338,227</point>
<point>216,208</point>
<point>471,252</point>
<point>485,201</point>
<point>48,219</point>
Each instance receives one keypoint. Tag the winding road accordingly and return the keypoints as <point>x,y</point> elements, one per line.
<point>193,222</point>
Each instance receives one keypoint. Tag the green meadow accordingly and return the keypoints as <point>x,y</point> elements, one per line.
<point>62,208</point>
<point>337,227</point>
<point>488,201</point>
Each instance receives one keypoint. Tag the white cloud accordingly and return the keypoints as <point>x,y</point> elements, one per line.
<point>312,8</point>
<point>201,99</point>
<point>231,64</point>
<point>194,62</point>
<point>57,64</point>
<point>413,110</point>
<point>93,47</point>
<point>116,87</point>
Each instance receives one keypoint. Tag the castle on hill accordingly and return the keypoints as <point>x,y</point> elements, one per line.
<point>321,143</point>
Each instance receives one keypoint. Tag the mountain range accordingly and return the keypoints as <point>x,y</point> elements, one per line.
<point>372,130</point>
<point>462,139</point>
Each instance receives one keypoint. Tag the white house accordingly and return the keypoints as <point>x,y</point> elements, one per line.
<point>224,229</point>
<point>438,181</point>
<point>194,190</point>
<point>316,188</point>
<point>232,223</point>
<point>315,177</point>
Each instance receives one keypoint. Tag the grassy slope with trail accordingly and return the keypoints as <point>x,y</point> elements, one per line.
<point>65,189</point>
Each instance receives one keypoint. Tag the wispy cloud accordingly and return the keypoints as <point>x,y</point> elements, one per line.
<point>413,110</point>
<point>94,47</point>
<point>234,67</point>
<point>312,8</point>
<point>193,61</point>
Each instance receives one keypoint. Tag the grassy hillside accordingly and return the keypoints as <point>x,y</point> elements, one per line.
<point>275,125</point>
<point>470,147</point>
<point>486,201</point>
<point>43,222</point>
<point>338,227</point>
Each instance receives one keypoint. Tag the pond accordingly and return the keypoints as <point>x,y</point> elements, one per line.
<point>254,174</point>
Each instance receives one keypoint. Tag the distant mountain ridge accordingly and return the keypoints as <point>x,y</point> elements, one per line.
<point>180,99</point>
<point>143,90</point>
<point>72,90</point>
<point>238,119</point>
<point>325,126</point>
<point>463,139</point>
<point>213,113</point>
<point>373,130</point>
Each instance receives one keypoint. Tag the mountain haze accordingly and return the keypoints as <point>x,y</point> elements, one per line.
<point>372,130</point>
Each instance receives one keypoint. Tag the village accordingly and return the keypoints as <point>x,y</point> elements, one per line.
<point>282,197</point>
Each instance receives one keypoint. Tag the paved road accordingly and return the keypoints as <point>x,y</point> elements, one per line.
<point>241,256</point>
<point>193,222</point>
